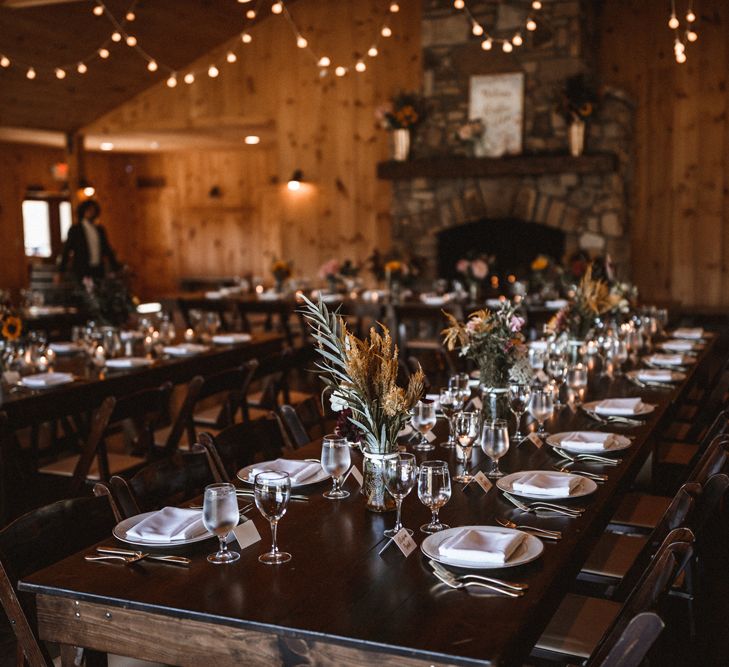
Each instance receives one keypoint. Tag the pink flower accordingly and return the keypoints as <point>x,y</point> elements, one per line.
<point>472,325</point>
<point>462,265</point>
<point>479,269</point>
<point>516,323</point>
<point>329,268</point>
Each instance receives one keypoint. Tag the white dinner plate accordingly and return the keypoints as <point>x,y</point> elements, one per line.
<point>555,440</point>
<point>585,488</point>
<point>244,476</point>
<point>185,349</point>
<point>645,409</point>
<point>680,345</point>
<point>231,338</point>
<point>657,361</point>
<point>676,376</point>
<point>129,362</point>
<point>121,529</point>
<point>64,347</point>
<point>46,380</point>
<point>530,549</point>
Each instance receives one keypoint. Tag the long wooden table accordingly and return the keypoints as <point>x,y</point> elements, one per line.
<point>338,601</point>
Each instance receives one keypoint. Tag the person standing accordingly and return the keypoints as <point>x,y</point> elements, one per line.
<point>87,246</point>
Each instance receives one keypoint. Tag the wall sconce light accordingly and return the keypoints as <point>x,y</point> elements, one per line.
<point>86,189</point>
<point>294,183</point>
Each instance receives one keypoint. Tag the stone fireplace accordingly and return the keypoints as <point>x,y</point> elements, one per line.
<point>586,199</point>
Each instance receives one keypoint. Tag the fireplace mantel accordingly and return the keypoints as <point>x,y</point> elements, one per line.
<point>454,166</point>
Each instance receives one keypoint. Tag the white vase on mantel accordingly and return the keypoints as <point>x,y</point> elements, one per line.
<point>400,139</point>
<point>576,136</point>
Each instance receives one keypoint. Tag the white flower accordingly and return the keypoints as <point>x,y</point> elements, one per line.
<point>338,402</point>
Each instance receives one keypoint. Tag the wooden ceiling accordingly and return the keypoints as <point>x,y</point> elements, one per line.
<point>176,32</point>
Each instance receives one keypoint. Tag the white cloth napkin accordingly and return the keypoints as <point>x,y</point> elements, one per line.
<point>480,546</point>
<point>300,472</point>
<point>433,299</point>
<point>589,441</point>
<point>169,524</point>
<point>555,304</point>
<point>665,359</point>
<point>692,333</point>
<point>545,484</point>
<point>231,338</point>
<point>269,296</point>
<point>655,375</point>
<point>213,295</point>
<point>619,406</point>
<point>128,362</point>
<point>185,349</point>
<point>43,380</point>
<point>676,344</point>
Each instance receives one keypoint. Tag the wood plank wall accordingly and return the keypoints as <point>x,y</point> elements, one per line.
<point>680,235</point>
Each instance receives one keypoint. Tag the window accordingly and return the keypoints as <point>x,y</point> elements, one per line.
<point>46,222</point>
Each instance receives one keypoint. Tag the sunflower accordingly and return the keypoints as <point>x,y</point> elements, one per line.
<point>540,263</point>
<point>12,327</point>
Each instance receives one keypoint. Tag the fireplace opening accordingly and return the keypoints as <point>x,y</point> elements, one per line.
<point>513,243</point>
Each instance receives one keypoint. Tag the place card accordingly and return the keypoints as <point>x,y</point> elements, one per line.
<point>430,436</point>
<point>535,440</point>
<point>405,542</point>
<point>477,402</point>
<point>354,471</point>
<point>246,533</point>
<point>483,481</point>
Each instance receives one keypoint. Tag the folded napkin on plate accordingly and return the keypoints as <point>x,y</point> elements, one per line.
<point>433,299</point>
<point>545,484</point>
<point>269,296</point>
<point>300,472</point>
<point>677,344</point>
<point>665,359</point>
<point>128,362</point>
<point>168,525</point>
<point>41,380</point>
<point>64,347</point>
<point>689,332</point>
<point>480,546</point>
<point>589,440</point>
<point>231,338</point>
<point>183,349</point>
<point>214,295</point>
<point>655,375</point>
<point>619,406</point>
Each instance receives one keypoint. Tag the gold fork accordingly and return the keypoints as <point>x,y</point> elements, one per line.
<point>538,532</point>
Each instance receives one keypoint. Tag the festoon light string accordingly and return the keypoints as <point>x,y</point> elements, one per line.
<point>689,34</point>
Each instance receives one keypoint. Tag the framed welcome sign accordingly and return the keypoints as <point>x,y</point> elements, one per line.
<point>498,100</point>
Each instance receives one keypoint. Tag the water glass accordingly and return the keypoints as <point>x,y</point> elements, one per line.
<point>460,384</point>
<point>541,407</point>
<point>220,516</point>
<point>577,382</point>
<point>450,404</point>
<point>400,474</point>
<point>423,420</point>
<point>434,491</point>
<point>272,490</point>
<point>467,424</point>
<point>335,460</point>
<point>519,395</point>
<point>557,369</point>
<point>495,443</point>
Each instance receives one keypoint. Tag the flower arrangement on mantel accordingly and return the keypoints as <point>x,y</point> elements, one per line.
<point>362,375</point>
<point>471,133</point>
<point>404,112</point>
<point>492,339</point>
<point>579,99</point>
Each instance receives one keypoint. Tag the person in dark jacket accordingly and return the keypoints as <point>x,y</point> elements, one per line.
<point>87,245</point>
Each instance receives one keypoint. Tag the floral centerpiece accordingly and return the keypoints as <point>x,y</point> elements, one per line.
<point>108,300</point>
<point>474,271</point>
<point>471,133</point>
<point>591,299</point>
<point>336,273</point>
<point>395,268</point>
<point>401,115</point>
<point>545,276</point>
<point>281,270</point>
<point>624,296</point>
<point>578,102</point>
<point>11,328</point>
<point>362,374</point>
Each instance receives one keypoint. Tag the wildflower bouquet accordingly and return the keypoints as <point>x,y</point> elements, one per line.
<point>405,112</point>
<point>11,326</point>
<point>281,270</point>
<point>579,98</point>
<point>544,275</point>
<point>493,340</point>
<point>474,270</point>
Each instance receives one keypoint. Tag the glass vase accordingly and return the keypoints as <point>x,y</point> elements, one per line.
<point>376,496</point>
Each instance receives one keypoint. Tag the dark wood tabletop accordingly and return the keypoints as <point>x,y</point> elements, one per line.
<point>338,601</point>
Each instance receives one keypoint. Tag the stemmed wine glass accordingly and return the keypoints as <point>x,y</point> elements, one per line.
<point>519,395</point>
<point>434,491</point>
<point>577,381</point>
<point>272,491</point>
<point>450,404</point>
<point>618,355</point>
<point>466,434</point>
<point>220,516</point>
<point>400,474</point>
<point>541,407</point>
<point>423,419</point>
<point>335,460</point>
<point>460,384</point>
<point>557,369</point>
<point>495,443</point>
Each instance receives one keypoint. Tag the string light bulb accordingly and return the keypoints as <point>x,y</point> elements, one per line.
<point>690,16</point>
<point>152,66</point>
<point>30,74</point>
<point>487,44</point>
<point>360,66</point>
<point>172,81</point>
<point>277,7</point>
<point>302,42</point>
<point>386,31</point>
<point>517,40</point>
<point>324,61</point>
<point>103,52</point>
<point>372,52</point>
<point>531,25</point>
<point>340,71</point>
<point>60,73</point>
<point>116,36</point>
<point>692,35</point>
<point>213,71</point>
<point>394,7</point>
<point>231,57</point>
<point>131,40</point>
<point>681,58</point>
<point>189,78</point>
<point>4,61</point>
<point>537,5</point>
<point>673,22</point>
<point>246,38</point>
<point>81,68</point>
<point>477,29</point>
<point>507,47</point>
<point>459,4</point>
<point>131,16</point>
<point>251,14</point>
<point>98,10</point>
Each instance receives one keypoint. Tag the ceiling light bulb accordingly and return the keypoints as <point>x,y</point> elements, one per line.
<point>692,35</point>
<point>681,58</point>
<point>98,10</point>
<point>152,66</point>
<point>277,7</point>
<point>189,78</point>
<point>131,16</point>
<point>231,57</point>
<point>131,40</point>
<point>251,14</point>
<point>103,53</point>
<point>81,68</point>
<point>517,40</point>
<point>213,71</point>
<point>531,25</point>
<point>360,66</point>
<point>673,22</point>
<point>252,139</point>
<point>116,36</point>
<point>60,74</point>
<point>324,61</point>
<point>507,47</point>
<point>4,61</point>
<point>106,146</point>
<point>536,5</point>
<point>246,38</point>
<point>340,71</point>
<point>172,81</point>
<point>301,42</point>
<point>386,31</point>
<point>372,51</point>
<point>487,44</point>
<point>394,7</point>
<point>477,29</point>
<point>459,4</point>
<point>30,73</point>
<point>690,16</point>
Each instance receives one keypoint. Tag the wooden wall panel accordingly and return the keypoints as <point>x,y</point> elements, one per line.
<point>681,231</point>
